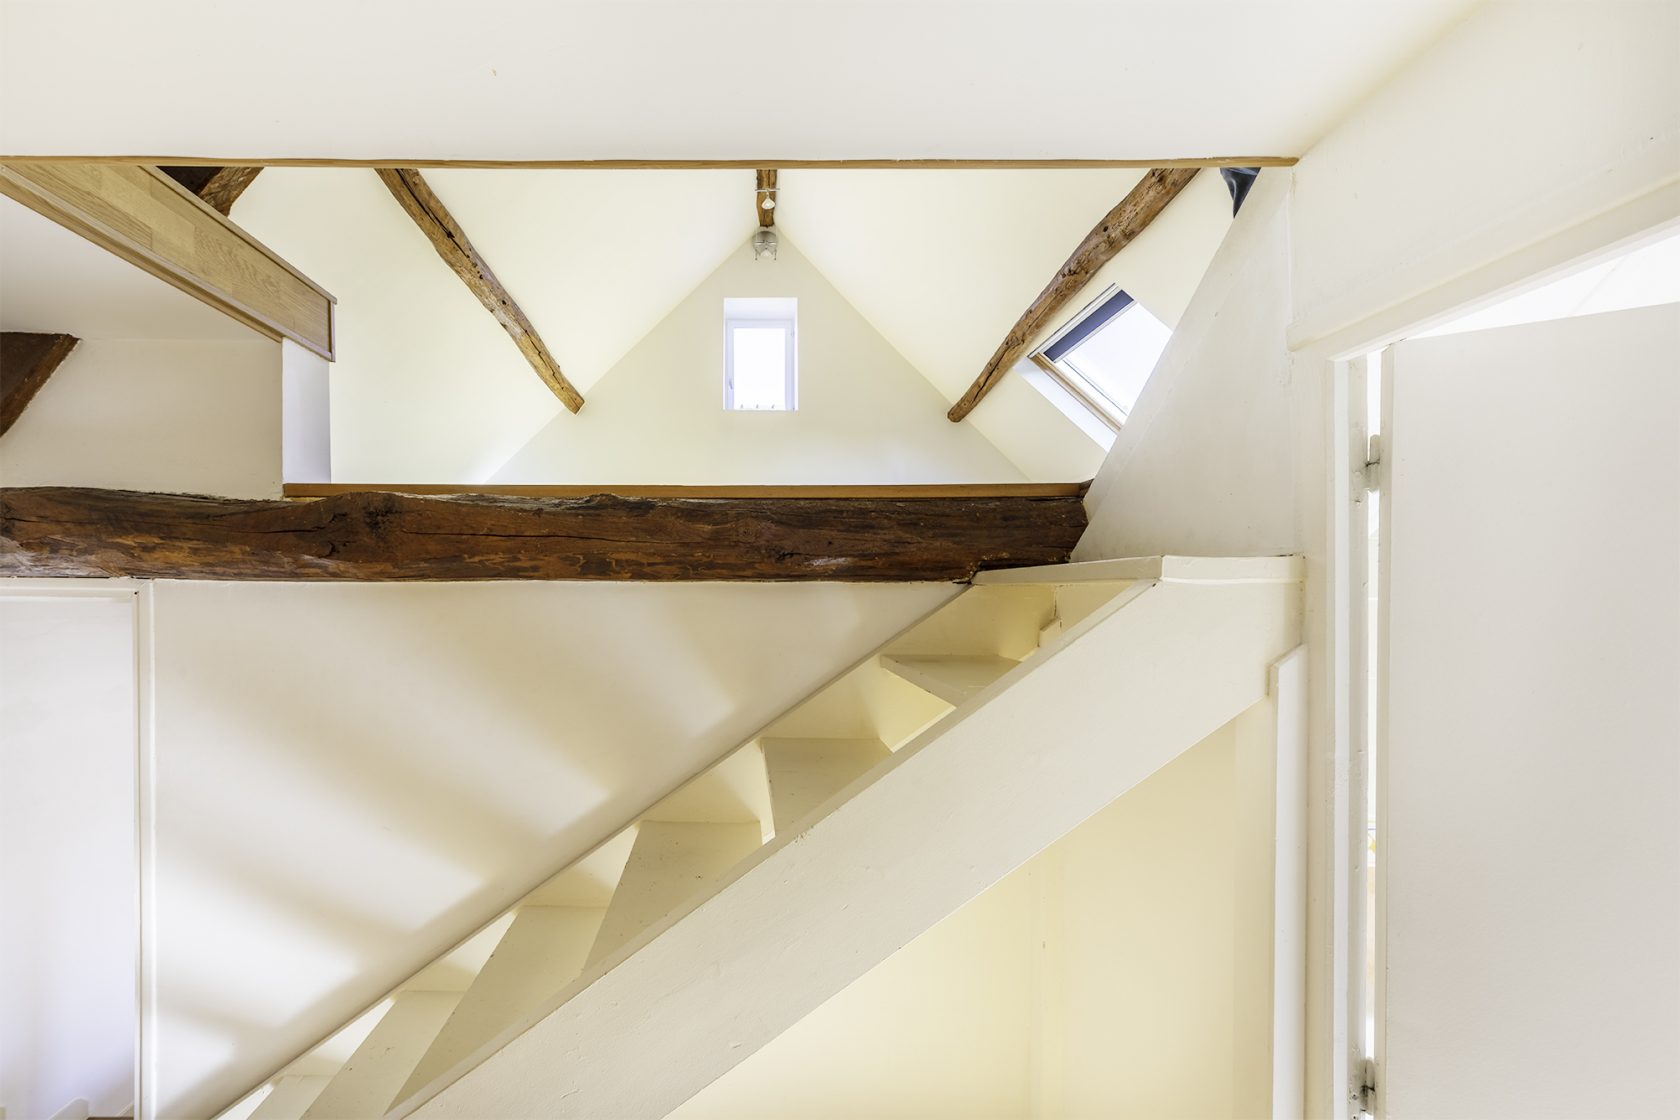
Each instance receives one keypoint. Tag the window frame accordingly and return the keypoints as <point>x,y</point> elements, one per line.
<point>789,324</point>
<point>1079,387</point>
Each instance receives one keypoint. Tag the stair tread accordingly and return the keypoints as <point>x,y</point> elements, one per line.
<point>803,773</point>
<point>541,952</point>
<point>369,1081</point>
<point>670,863</point>
<point>951,678</point>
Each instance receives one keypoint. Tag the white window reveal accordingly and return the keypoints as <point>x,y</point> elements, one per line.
<point>1105,354</point>
<point>761,355</point>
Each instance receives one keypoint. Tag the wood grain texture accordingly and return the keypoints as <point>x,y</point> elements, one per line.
<point>956,163</point>
<point>1096,408</point>
<point>766,186</point>
<point>225,187</point>
<point>148,219</point>
<point>27,359</point>
<point>587,490</point>
<point>1130,217</point>
<point>219,187</point>
<point>411,191</point>
<point>69,531</point>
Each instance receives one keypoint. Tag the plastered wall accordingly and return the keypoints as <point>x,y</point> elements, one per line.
<point>154,414</point>
<point>1096,981</point>
<point>865,414</point>
<point>350,777</point>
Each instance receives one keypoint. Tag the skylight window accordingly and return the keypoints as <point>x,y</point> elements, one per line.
<point>760,355</point>
<point>1104,356</point>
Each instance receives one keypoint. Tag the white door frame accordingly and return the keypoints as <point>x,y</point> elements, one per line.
<point>1335,938</point>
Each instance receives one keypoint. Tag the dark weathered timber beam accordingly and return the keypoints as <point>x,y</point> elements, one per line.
<point>219,187</point>
<point>68,531</point>
<point>765,192</point>
<point>444,232</point>
<point>26,361</point>
<point>1117,230</point>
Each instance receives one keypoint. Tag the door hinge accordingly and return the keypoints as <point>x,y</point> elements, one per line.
<point>1368,1087</point>
<point>1370,474</point>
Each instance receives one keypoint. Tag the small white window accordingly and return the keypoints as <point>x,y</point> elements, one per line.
<point>760,355</point>
<point>1104,356</point>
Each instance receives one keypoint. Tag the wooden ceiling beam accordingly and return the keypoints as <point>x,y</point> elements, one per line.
<point>1130,217</point>
<point>27,359</point>
<point>219,187</point>
<point>952,164</point>
<point>73,532</point>
<point>728,490</point>
<point>766,191</point>
<point>145,217</point>
<point>411,191</point>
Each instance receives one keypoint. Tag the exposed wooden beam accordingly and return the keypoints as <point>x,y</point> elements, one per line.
<point>444,232</point>
<point>865,163</point>
<point>580,490</point>
<point>148,219</point>
<point>68,531</point>
<point>766,192</point>
<point>1116,230</point>
<point>26,361</point>
<point>219,187</point>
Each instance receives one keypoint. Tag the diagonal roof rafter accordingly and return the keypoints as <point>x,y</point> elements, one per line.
<point>417,198</point>
<point>1117,229</point>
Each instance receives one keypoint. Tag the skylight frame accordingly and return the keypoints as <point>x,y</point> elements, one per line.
<point>1098,314</point>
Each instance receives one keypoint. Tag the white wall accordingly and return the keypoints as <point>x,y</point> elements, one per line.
<point>68,924</point>
<point>154,414</point>
<point>1528,119</point>
<point>349,777</point>
<point>865,414</point>
<point>1207,463</point>
<point>1139,980</point>
<point>941,1030</point>
<point>1098,980</point>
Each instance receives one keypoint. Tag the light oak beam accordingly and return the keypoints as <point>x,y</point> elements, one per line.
<point>71,531</point>
<point>26,361</point>
<point>444,232</point>
<point>219,187</point>
<point>149,220</point>
<point>1116,230</point>
<point>955,164</point>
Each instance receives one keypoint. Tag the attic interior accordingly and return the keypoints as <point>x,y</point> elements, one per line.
<point>527,590</point>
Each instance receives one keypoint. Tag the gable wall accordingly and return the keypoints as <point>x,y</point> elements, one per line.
<point>865,414</point>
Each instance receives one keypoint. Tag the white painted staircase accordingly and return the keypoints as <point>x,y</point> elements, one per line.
<point>868,812</point>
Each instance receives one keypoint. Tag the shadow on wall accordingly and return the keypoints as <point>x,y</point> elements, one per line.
<point>350,778</point>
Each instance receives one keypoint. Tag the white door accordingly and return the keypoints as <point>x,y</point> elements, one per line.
<point>1529,754</point>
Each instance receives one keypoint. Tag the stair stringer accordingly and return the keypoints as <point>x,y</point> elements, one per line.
<point>1020,765</point>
